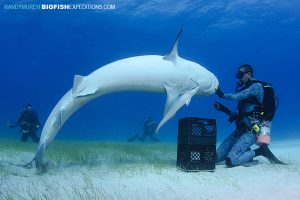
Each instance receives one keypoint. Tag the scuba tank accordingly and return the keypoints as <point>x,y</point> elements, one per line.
<point>263,133</point>
<point>265,111</point>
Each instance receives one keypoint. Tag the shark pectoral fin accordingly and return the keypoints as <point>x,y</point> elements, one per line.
<point>188,101</point>
<point>176,104</point>
<point>172,94</point>
<point>173,55</point>
<point>190,94</point>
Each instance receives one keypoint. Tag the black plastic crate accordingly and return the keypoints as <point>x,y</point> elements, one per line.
<point>194,130</point>
<point>196,157</point>
<point>196,148</point>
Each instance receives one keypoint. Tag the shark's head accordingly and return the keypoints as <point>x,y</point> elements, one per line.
<point>214,83</point>
<point>206,80</point>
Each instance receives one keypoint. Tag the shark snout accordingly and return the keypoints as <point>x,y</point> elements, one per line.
<point>215,82</point>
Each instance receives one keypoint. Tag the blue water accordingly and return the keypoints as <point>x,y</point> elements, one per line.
<point>42,50</point>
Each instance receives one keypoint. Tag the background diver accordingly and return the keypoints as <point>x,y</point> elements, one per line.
<point>149,131</point>
<point>28,122</point>
<point>235,149</point>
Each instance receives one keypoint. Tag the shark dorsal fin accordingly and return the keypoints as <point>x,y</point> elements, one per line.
<point>174,52</point>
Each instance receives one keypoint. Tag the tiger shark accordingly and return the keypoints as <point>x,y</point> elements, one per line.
<point>179,78</point>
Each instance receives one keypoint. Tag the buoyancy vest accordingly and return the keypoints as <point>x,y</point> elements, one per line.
<point>265,110</point>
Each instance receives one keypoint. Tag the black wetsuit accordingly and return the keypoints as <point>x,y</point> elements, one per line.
<point>29,123</point>
<point>149,130</point>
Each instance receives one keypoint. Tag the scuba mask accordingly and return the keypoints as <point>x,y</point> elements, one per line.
<point>240,74</point>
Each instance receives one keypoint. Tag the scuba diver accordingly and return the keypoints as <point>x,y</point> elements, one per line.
<point>149,130</point>
<point>256,104</point>
<point>28,122</point>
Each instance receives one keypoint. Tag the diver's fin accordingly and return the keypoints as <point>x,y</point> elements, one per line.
<point>173,55</point>
<point>176,99</point>
<point>267,153</point>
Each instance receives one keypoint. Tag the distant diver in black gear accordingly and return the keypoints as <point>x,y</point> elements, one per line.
<point>263,150</point>
<point>149,131</point>
<point>28,122</point>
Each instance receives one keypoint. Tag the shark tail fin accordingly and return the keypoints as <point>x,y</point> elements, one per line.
<point>38,158</point>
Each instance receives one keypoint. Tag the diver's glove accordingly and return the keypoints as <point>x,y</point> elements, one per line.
<point>219,92</point>
<point>220,107</point>
<point>232,117</point>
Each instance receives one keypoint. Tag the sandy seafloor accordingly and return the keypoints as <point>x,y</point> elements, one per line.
<point>104,170</point>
